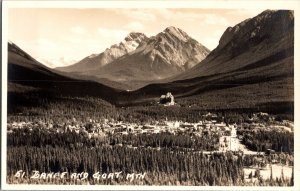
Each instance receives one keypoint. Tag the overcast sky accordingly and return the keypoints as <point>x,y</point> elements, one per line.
<point>60,37</point>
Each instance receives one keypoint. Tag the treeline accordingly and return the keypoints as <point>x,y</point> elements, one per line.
<point>163,167</point>
<point>40,138</point>
<point>262,140</point>
<point>70,152</point>
<point>262,160</point>
<point>34,107</point>
<point>31,107</point>
<point>170,166</point>
<point>209,142</point>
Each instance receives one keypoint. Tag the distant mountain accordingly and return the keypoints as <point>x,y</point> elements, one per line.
<point>96,61</point>
<point>26,75</point>
<point>140,60</point>
<point>252,67</point>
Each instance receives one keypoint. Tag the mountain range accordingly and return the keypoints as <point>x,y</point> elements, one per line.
<point>252,67</point>
<point>139,60</point>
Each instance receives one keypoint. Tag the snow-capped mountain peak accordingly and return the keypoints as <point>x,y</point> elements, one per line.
<point>132,41</point>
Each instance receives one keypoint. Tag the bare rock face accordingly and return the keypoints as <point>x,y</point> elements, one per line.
<point>139,58</point>
<point>164,55</point>
<point>270,24</point>
<point>267,36</point>
<point>94,61</point>
<point>175,47</point>
<point>130,43</point>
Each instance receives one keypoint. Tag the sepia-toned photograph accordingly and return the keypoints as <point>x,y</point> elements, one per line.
<point>166,96</point>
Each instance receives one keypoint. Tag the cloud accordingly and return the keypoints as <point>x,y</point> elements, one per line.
<point>45,62</point>
<point>135,26</point>
<point>45,43</point>
<point>246,12</point>
<point>145,15</point>
<point>165,13</point>
<point>78,30</point>
<point>212,19</point>
<point>210,41</point>
<point>56,62</point>
<point>178,15</point>
<point>54,53</point>
<point>114,34</point>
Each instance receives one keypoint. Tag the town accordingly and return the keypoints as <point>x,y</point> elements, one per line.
<point>227,133</point>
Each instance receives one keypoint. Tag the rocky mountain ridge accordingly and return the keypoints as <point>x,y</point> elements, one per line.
<point>140,59</point>
<point>95,61</point>
<point>266,35</point>
<point>252,67</point>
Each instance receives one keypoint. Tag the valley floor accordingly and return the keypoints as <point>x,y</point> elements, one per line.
<point>208,152</point>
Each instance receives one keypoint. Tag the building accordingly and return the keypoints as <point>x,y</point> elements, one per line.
<point>167,99</point>
<point>229,143</point>
<point>172,124</point>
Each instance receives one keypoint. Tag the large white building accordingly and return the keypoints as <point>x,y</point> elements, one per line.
<point>167,99</point>
<point>229,143</point>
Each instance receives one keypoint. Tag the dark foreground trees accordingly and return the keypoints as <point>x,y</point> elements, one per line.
<point>182,167</point>
<point>262,140</point>
<point>75,153</point>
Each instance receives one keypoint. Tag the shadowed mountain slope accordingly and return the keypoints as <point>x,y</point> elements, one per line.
<point>25,74</point>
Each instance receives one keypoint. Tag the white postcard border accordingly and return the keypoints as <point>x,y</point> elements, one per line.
<point>215,4</point>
